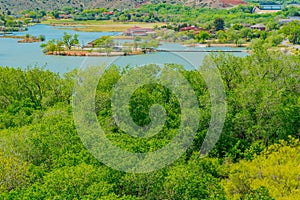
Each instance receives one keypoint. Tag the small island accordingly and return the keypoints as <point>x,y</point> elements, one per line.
<point>103,46</point>
<point>30,39</point>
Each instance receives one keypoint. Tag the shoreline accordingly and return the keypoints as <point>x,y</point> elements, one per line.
<point>111,27</point>
<point>121,53</point>
<point>12,36</point>
<point>231,45</point>
<point>29,41</point>
<point>92,54</point>
<point>99,26</point>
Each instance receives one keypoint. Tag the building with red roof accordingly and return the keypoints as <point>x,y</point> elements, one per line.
<point>138,31</point>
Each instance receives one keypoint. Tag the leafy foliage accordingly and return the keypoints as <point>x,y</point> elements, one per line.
<point>272,175</point>
<point>257,156</point>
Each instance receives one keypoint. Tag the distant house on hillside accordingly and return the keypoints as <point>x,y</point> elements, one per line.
<point>267,8</point>
<point>65,16</point>
<point>108,13</point>
<point>138,31</point>
<point>190,28</point>
<point>260,27</point>
<point>270,7</point>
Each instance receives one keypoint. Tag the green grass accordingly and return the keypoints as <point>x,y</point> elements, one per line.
<point>99,26</point>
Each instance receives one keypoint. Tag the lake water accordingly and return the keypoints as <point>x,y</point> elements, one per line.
<point>13,54</point>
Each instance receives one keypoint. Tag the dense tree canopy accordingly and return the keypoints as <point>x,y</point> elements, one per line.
<point>257,156</point>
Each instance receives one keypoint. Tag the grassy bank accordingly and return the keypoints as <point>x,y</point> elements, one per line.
<point>12,36</point>
<point>99,26</point>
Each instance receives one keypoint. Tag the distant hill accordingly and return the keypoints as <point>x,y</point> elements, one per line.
<point>288,2</point>
<point>19,5</point>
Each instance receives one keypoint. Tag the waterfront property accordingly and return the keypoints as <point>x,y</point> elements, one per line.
<point>264,8</point>
<point>138,31</point>
<point>270,7</point>
<point>30,54</point>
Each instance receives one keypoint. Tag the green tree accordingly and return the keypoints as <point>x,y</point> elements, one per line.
<point>70,40</point>
<point>222,36</point>
<point>260,193</point>
<point>246,33</point>
<point>191,181</point>
<point>135,41</point>
<point>14,173</point>
<point>104,42</point>
<point>272,175</point>
<point>292,31</point>
<point>233,36</point>
<point>219,24</point>
<point>50,46</point>
<point>202,36</point>
<point>42,38</point>
<point>274,38</point>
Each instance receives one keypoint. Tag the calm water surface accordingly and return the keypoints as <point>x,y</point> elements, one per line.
<point>13,54</point>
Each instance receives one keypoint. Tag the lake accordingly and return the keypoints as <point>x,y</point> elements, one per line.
<point>13,54</point>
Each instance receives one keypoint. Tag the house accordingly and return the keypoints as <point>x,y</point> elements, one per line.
<point>266,8</point>
<point>35,21</point>
<point>108,13</point>
<point>190,28</point>
<point>65,16</point>
<point>260,27</point>
<point>138,31</point>
<point>270,7</point>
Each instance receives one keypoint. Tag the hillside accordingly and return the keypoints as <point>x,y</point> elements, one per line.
<point>275,1</point>
<point>16,5</point>
<point>228,3</point>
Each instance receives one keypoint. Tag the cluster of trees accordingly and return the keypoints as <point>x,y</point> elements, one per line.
<point>145,42</point>
<point>104,41</point>
<point>237,34</point>
<point>34,14</point>
<point>292,32</point>
<point>94,14</point>
<point>68,41</point>
<point>102,44</point>
<point>233,21</point>
<point>257,156</point>
<point>30,38</point>
<point>169,13</point>
<point>107,44</point>
<point>183,14</point>
<point>177,13</point>
<point>9,23</point>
